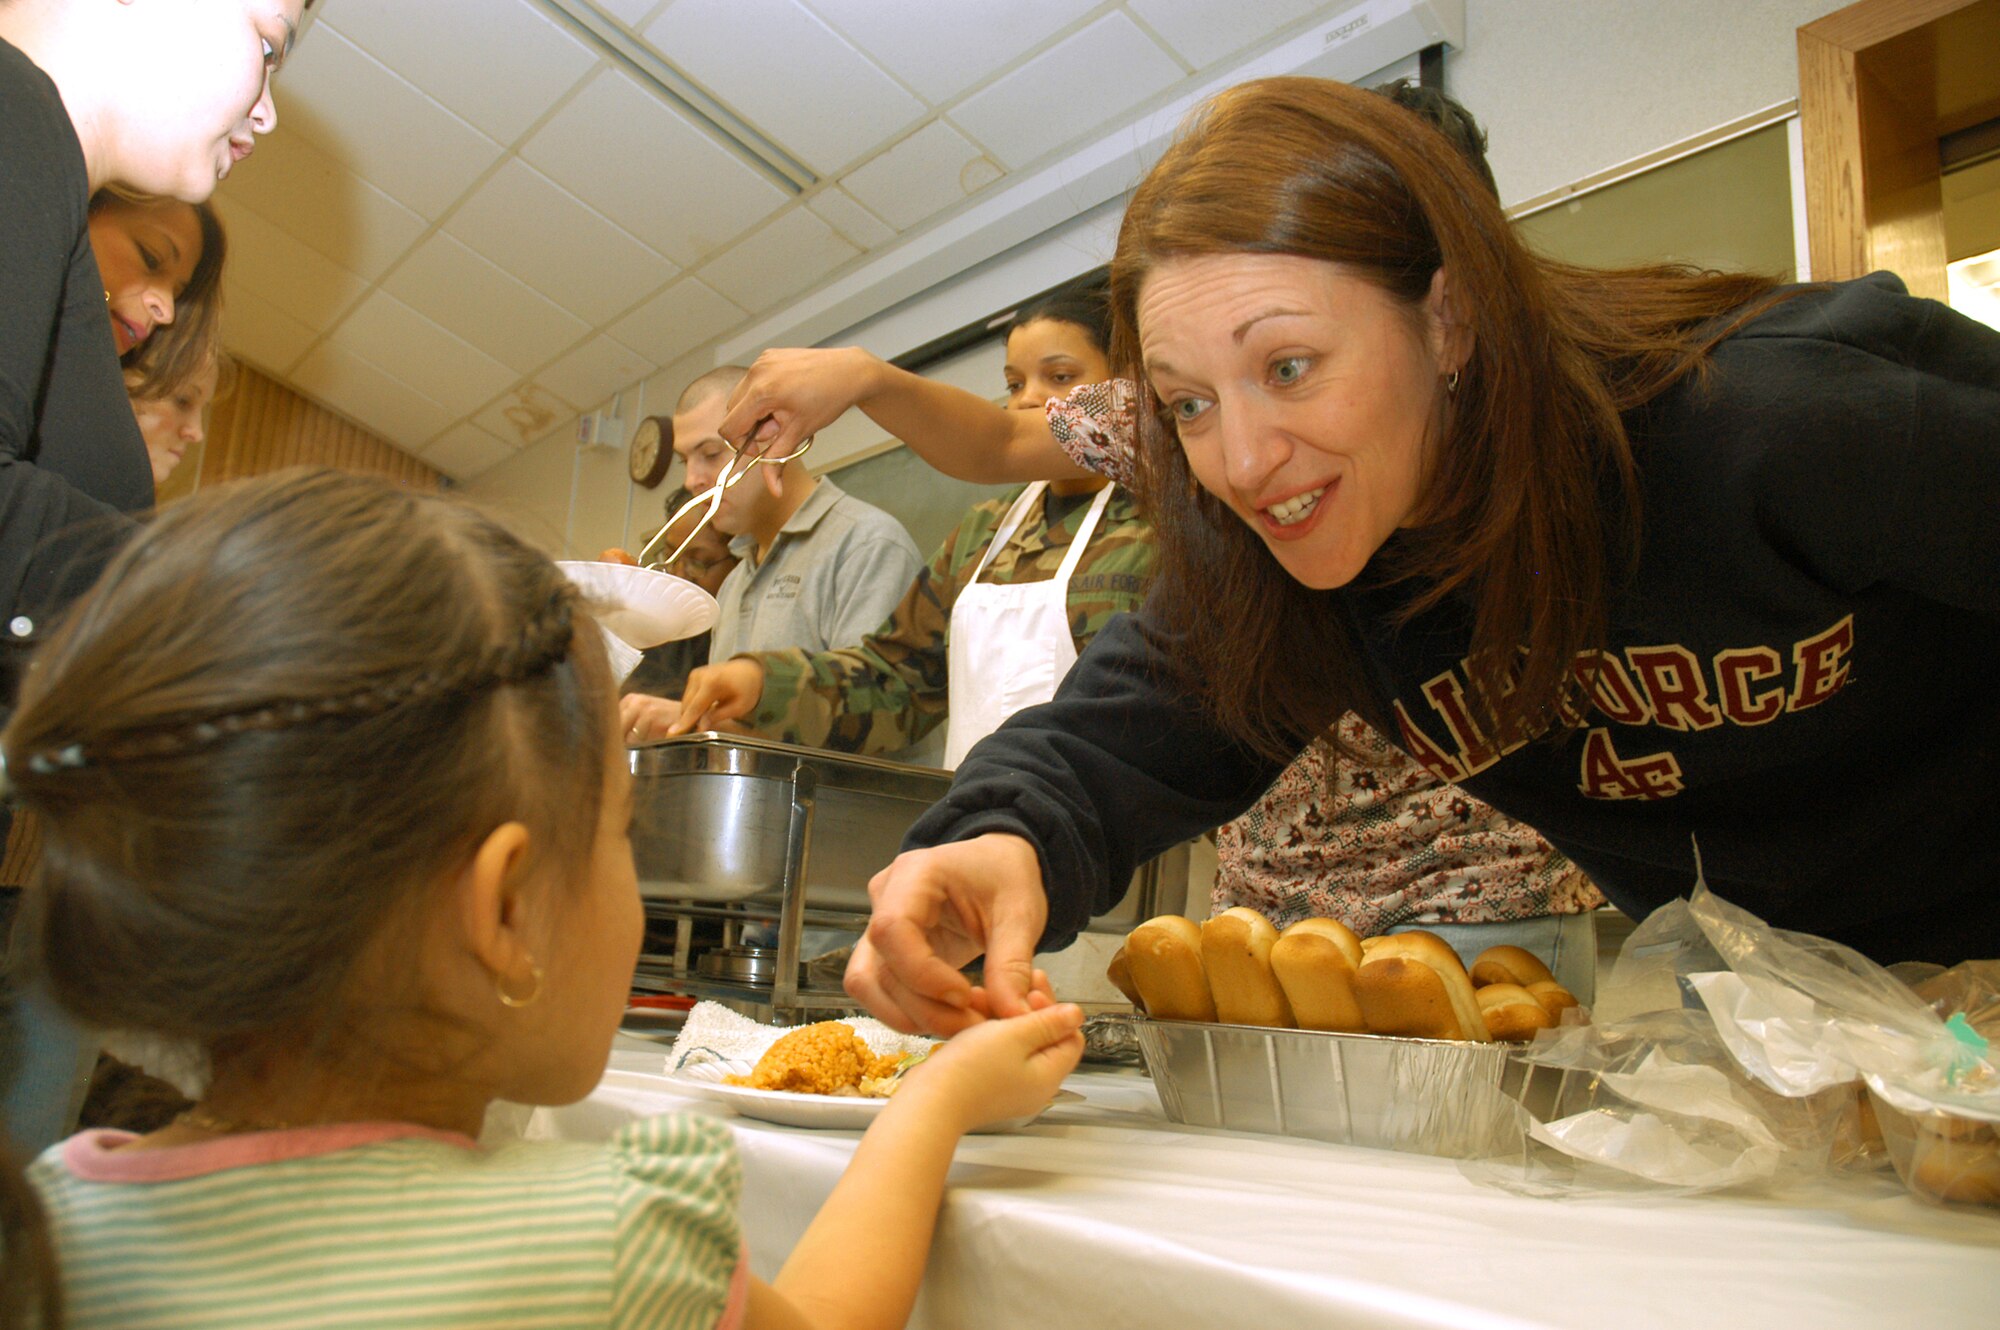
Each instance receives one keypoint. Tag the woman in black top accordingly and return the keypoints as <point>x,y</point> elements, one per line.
<point>84,104</point>
<point>163,99</point>
<point>1639,557</point>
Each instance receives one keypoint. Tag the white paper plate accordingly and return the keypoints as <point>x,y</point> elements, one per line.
<point>825,1111</point>
<point>642,606</point>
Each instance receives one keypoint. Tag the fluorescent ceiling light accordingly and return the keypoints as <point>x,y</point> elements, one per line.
<point>616,43</point>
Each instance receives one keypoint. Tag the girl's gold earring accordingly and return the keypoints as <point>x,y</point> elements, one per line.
<point>1451,382</point>
<point>509,1000</point>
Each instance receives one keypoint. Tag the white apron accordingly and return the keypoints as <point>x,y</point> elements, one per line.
<point>1010,645</point>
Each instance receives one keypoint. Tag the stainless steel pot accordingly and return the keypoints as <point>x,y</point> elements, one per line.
<point>747,827</point>
<point>714,814</point>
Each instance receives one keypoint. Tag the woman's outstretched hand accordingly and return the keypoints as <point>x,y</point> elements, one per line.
<point>790,394</point>
<point>935,910</point>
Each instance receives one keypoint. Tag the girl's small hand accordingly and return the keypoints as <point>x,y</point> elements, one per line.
<point>1000,1069</point>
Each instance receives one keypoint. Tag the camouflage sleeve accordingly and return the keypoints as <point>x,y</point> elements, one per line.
<point>877,697</point>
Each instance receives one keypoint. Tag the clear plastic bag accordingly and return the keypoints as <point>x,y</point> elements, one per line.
<point>1728,1053</point>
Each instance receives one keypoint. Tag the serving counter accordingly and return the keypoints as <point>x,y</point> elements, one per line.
<point>1103,1214</point>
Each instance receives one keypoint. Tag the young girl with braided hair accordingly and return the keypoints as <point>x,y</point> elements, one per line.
<point>332,787</point>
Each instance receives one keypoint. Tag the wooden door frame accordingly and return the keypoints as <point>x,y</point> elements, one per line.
<point>1870,120</point>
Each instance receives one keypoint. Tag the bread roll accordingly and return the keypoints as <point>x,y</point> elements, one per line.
<point>1509,965</point>
<point>1956,1165</point>
<point>1164,957</point>
<point>1413,984</point>
<point>616,555</point>
<point>1555,999</point>
<point>1119,972</point>
<point>1511,1012</point>
<point>1315,961</point>
<point>1236,955</point>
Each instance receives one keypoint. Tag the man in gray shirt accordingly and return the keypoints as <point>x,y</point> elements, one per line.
<point>819,568</point>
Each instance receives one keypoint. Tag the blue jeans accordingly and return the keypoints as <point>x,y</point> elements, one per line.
<point>45,1059</point>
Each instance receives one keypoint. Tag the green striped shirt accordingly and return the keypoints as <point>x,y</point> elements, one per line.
<point>378,1224</point>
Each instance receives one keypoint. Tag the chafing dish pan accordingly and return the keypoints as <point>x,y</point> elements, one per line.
<point>725,818</point>
<point>1422,1096</point>
<point>714,819</point>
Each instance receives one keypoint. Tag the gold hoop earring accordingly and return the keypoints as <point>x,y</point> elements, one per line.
<point>1451,382</point>
<point>509,1000</point>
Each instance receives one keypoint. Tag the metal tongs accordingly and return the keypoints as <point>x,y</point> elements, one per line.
<point>740,463</point>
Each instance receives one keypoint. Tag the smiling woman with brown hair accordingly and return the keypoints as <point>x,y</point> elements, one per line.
<point>1632,555</point>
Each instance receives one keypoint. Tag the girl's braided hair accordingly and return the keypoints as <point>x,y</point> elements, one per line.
<point>289,707</point>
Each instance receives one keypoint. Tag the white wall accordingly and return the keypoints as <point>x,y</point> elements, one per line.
<point>1565,88</point>
<point>1568,88</point>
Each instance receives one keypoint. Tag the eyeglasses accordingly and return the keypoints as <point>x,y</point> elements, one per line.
<point>741,462</point>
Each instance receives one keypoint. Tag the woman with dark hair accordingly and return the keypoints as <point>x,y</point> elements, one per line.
<point>996,618</point>
<point>1641,557</point>
<point>161,261</point>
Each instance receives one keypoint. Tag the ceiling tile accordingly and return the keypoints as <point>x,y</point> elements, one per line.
<point>678,320</point>
<point>837,208</point>
<point>526,414</point>
<point>285,270</point>
<point>500,64</point>
<point>783,70</point>
<point>937,50</point>
<point>1204,32</point>
<point>650,170</point>
<point>464,451</point>
<point>360,391</point>
<point>630,12</point>
<point>589,375</point>
<point>325,204</point>
<point>919,177</point>
<point>409,347</point>
<point>1068,90</point>
<point>540,232</point>
<point>781,260</point>
<point>380,127</point>
<point>453,286</point>
<point>256,330</point>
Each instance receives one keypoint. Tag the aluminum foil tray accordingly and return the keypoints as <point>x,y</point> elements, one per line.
<point>1422,1096</point>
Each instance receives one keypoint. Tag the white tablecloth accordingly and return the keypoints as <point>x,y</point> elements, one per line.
<point>1103,1214</point>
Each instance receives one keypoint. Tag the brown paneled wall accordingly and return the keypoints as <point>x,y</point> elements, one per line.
<point>1880,82</point>
<point>265,426</point>
<point>261,426</point>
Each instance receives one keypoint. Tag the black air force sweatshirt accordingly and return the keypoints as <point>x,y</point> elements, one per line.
<point>1803,671</point>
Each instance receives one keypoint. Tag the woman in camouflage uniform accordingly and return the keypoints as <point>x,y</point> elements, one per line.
<point>893,688</point>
